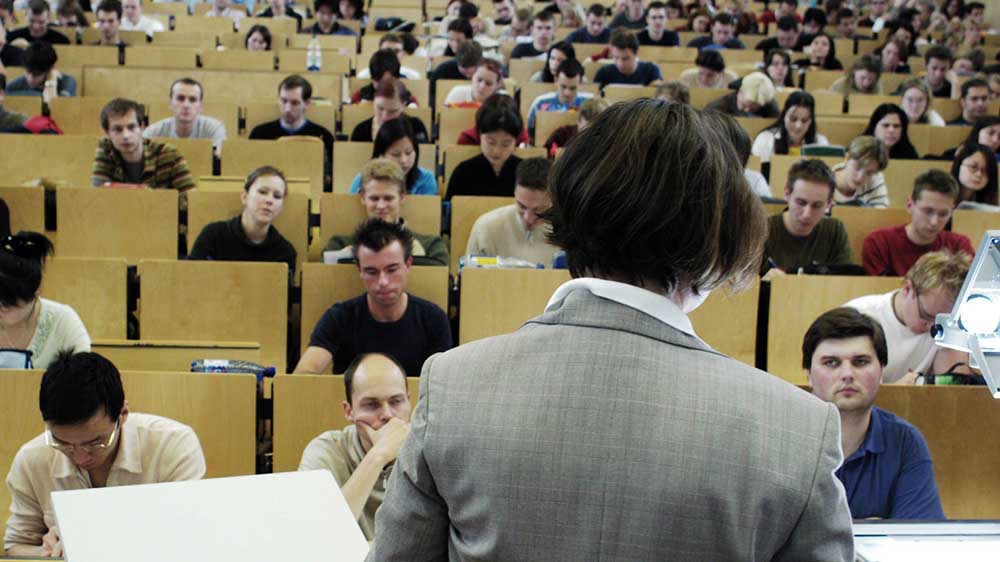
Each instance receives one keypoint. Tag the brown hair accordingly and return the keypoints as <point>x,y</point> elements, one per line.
<point>940,270</point>
<point>841,324</point>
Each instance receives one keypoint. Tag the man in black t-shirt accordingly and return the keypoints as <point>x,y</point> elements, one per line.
<point>386,319</point>
<point>294,98</point>
<point>656,33</point>
<point>38,26</point>
<point>543,31</point>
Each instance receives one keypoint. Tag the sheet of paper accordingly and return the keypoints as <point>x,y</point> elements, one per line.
<point>264,518</point>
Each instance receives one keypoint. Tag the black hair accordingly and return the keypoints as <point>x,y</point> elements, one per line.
<point>22,257</point>
<point>376,234</point>
<point>710,59</point>
<point>3,82</point>
<point>356,363</point>
<point>798,98</point>
<point>77,386</point>
<point>461,25</point>
<point>38,7</point>
<point>4,219</point>
<point>410,43</point>
<point>564,47</point>
<point>812,170</point>
<point>570,68</point>
<point>600,11</point>
<point>110,6</point>
<point>296,81</point>
<point>468,11</point>
<point>332,4</point>
<point>987,194</point>
<point>498,118</point>
<point>785,54</point>
<point>815,15</point>
<point>938,52</point>
<point>968,85</point>
<point>978,125</point>
<point>830,62</point>
<point>841,324</point>
<point>392,131</point>
<point>382,61</point>
<point>533,173</point>
<point>723,18</point>
<point>788,23</point>
<point>40,57</point>
<point>902,149</point>
<point>264,32</point>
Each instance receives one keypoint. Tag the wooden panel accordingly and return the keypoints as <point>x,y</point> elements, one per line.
<point>295,60</point>
<point>160,57</point>
<point>342,44</point>
<point>548,121</point>
<point>238,60</point>
<point>974,224</point>
<point>68,158</point>
<point>498,301</point>
<point>615,93</point>
<point>340,213</point>
<point>728,322</point>
<point>669,54</point>
<point>325,285</point>
<point>26,206</point>
<point>454,120</point>
<point>350,157</point>
<point>821,79</point>
<point>79,55</point>
<point>284,26</point>
<point>464,212</point>
<point>117,223</point>
<point>753,126</point>
<point>198,23</point>
<point>861,105</point>
<point>840,131</point>
<point>222,301</point>
<point>900,176</point>
<point>294,157</point>
<point>151,355</point>
<point>95,288</point>
<point>210,206</point>
<point>796,301</point>
<point>197,153</point>
<point>28,105</point>
<point>308,405</point>
<point>79,115</point>
<point>928,139</point>
<point>860,221</point>
<point>420,89</point>
<point>521,70</point>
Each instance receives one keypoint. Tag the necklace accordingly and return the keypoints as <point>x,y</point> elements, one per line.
<point>12,342</point>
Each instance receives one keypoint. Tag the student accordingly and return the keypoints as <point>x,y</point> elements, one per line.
<point>41,78</point>
<point>326,20</point>
<point>294,99</point>
<point>741,142</point>
<point>279,8</point>
<point>822,53</point>
<point>251,235</point>
<point>109,18</point>
<point>562,136</point>
<point>8,119</point>
<point>786,37</point>
<point>134,20</point>
<point>396,44</point>
<point>567,96</point>
<point>258,38</point>
<point>631,17</point>
<point>383,65</point>
<point>543,26</point>
<point>33,330</point>
<point>916,101</point>
<point>894,54</point>
<point>38,28</point>
<point>493,171</point>
<point>890,124</point>
<point>778,67</point>
<point>859,176</point>
<point>397,141</point>
<point>723,35</point>
<point>985,131</point>
<point>389,101</point>
<point>710,72</point>
<point>754,98</point>
<point>861,78</point>
<point>558,53</point>
<point>974,101</point>
<point>795,128</point>
<point>496,102</point>
<point>187,121</point>
<point>627,69</point>
<point>486,81</point>
<point>656,33</point>
<point>975,169</point>
<point>596,30</point>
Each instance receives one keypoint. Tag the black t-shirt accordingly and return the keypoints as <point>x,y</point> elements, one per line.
<point>448,70</point>
<point>226,241</point>
<point>11,56</point>
<point>363,131</point>
<point>668,39</point>
<point>52,36</point>
<point>522,50</point>
<point>273,130</point>
<point>475,176</point>
<point>347,329</point>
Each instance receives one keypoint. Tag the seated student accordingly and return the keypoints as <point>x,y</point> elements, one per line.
<point>741,142</point>
<point>467,56</point>
<point>258,38</point>
<point>134,20</point>
<point>470,136</point>
<point>567,96</point>
<point>803,235</point>
<point>974,101</point>
<point>223,9</point>
<point>596,30</point>
<point>861,78</point>
<point>124,157</point>
<point>109,19</point>
<point>710,72</point>
<point>395,44</point>
<point>558,53</point>
<point>786,37</point>
<point>975,169</point>
<point>39,26</point>
<point>492,172</point>
<point>916,100</point>
<point>280,9</point>
<point>890,125</point>
<point>907,314</point>
<point>859,176</point>
<point>754,98</point>
<point>887,470</point>
<point>389,101</point>
<point>486,81</point>
<point>41,79</point>
<point>627,69</point>
<point>361,455</point>
<point>785,8</point>
<point>894,55</point>
<point>33,330</point>
<point>517,231</point>
<point>589,110</point>
<point>458,30</point>
<point>397,142</point>
<point>795,128</point>
<point>326,20</point>
<point>383,65</point>
<point>382,190</point>
<point>821,53</point>
<point>570,13</point>
<point>187,122</point>
<point>985,131</point>
<point>656,33</point>
<point>519,29</point>
<point>385,319</point>
<point>8,119</point>
<point>251,235</point>
<point>893,250</point>
<point>630,17</point>
<point>294,98</point>
<point>91,440</point>
<point>543,27</point>
<point>352,10</point>
<point>723,35</point>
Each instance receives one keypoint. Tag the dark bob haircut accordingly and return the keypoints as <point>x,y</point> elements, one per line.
<point>21,259</point>
<point>78,386</point>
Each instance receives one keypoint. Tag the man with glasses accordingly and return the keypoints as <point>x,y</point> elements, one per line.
<point>91,440</point>
<point>893,250</point>
<point>907,314</point>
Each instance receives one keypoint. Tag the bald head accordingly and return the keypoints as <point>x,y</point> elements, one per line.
<point>370,370</point>
<point>376,393</point>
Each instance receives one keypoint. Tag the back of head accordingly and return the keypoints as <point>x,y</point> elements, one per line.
<point>788,23</point>
<point>710,59</point>
<point>469,53</point>
<point>376,235</point>
<point>462,26</point>
<point>866,148</point>
<point>841,324</point>
<point>815,15</point>
<point>943,269</point>
<point>622,38</point>
<point>736,134</point>
<point>40,57</point>
<point>758,88</point>
<point>649,194</point>
<point>593,107</point>
<point>383,169</point>
<point>393,88</point>
<point>494,117</point>
<point>674,91</point>
<point>296,81</point>
<point>937,181</point>
<point>868,62</point>
<point>78,386</point>
<point>382,61</point>
<point>22,257</point>
<point>533,173</point>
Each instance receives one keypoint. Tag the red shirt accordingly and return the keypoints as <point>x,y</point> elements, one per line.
<point>471,137</point>
<point>888,251</point>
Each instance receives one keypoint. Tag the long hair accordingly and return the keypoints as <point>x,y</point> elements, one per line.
<point>797,98</point>
<point>987,194</point>
<point>392,131</point>
<point>902,149</point>
<point>21,259</point>
<point>563,47</point>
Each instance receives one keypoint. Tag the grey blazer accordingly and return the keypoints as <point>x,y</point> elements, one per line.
<point>596,432</point>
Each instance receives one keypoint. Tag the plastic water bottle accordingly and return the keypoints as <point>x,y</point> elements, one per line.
<point>314,55</point>
<point>231,366</point>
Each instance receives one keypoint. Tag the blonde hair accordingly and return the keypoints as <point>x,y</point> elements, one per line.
<point>593,107</point>
<point>940,270</point>
<point>382,169</point>
<point>867,148</point>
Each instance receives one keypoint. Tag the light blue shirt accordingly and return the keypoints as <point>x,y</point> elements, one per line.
<point>550,102</point>
<point>426,183</point>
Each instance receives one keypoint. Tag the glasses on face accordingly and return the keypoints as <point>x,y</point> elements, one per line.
<point>68,449</point>
<point>924,316</point>
<point>974,169</point>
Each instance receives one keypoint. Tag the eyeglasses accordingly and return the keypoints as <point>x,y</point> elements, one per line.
<point>924,316</point>
<point>974,169</point>
<point>68,449</point>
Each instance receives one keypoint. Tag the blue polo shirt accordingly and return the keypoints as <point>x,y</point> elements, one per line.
<point>891,475</point>
<point>645,72</point>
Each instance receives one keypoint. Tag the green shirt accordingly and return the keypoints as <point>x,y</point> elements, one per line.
<point>11,119</point>
<point>427,248</point>
<point>826,245</point>
<point>163,166</point>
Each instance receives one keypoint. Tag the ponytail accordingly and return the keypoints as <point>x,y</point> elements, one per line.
<point>21,258</point>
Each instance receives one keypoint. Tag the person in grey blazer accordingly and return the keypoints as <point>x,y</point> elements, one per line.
<point>605,429</point>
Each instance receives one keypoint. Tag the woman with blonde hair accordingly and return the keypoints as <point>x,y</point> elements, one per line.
<point>916,101</point>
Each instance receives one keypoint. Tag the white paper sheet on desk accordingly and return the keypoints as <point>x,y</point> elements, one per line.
<point>265,518</point>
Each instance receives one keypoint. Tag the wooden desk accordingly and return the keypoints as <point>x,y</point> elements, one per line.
<point>154,355</point>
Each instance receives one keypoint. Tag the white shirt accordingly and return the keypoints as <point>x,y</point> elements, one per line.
<point>907,350</point>
<point>59,327</point>
<point>763,145</point>
<point>147,24</point>
<point>757,183</point>
<point>204,128</point>
<point>404,71</point>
